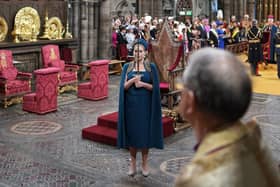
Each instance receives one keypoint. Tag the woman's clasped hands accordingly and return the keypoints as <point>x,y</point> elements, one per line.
<point>137,81</point>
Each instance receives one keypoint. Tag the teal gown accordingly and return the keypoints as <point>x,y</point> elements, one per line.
<point>139,123</point>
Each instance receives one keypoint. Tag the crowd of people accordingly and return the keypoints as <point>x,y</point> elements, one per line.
<point>198,33</point>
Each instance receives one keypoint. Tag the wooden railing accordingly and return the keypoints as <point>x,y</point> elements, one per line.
<point>237,48</point>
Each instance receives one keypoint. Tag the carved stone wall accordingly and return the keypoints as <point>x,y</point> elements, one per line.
<point>152,7</point>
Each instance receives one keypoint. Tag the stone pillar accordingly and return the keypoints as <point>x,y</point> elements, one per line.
<point>91,45</point>
<point>226,10</point>
<point>75,27</point>
<point>76,19</point>
<point>84,32</point>
<point>96,28</point>
<point>104,43</point>
<point>265,9</point>
<point>271,7</point>
<point>251,8</point>
<point>276,12</point>
<point>243,4</point>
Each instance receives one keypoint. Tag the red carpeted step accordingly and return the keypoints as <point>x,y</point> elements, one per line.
<point>108,120</point>
<point>100,134</point>
<point>106,129</point>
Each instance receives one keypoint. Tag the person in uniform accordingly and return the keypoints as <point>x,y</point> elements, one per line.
<point>254,36</point>
<point>213,35</point>
<point>277,51</point>
<point>235,34</point>
<point>229,152</point>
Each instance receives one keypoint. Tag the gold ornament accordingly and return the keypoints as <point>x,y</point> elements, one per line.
<point>67,35</point>
<point>27,25</point>
<point>3,29</point>
<point>54,30</point>
<point>45,34</point>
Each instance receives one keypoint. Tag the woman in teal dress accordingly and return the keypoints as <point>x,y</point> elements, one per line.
<point>139,122</point>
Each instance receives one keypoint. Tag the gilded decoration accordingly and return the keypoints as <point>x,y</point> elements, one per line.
<point>53,55</point>
<point>54,29</point>
<point>3,61</point>
<point>3,29</point>
<point>27,25</point>
<point>68,35</point>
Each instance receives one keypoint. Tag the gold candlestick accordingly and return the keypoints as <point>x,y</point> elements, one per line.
<point>67,35</point>
<point>46,35</point>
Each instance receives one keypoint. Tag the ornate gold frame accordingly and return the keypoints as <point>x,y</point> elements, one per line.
<point>54,29</point>
<point>27,25</point>
<point>3,29</point>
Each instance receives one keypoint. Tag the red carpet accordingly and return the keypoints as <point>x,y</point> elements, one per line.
<point>106,129</point>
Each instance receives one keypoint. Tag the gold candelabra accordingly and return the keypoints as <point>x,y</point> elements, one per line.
<point>45,34</point>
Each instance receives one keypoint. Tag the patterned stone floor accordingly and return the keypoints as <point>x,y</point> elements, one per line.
<point>60,157</point>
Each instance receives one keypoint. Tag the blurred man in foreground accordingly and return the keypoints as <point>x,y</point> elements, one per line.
<point>217,93</point>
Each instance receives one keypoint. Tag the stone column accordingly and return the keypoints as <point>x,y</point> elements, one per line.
<point>244,5</point>
<point>75,27</point>
<point>251,8</point>
<point>76,19</point>
<point>91,45</point>
<point>104,43</point>
<point>227,10</point>
<point>84,32</point>
<point>271,7</point>
<point>276,10</point>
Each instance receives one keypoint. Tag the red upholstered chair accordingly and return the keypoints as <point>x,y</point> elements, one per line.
<point>45,98</point>
<point>13,84</point>
<point>68,72</point>
<point>97,87</point>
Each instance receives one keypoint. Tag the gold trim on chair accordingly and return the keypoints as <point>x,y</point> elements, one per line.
<point>12,100</point>
<point>68,87</point>
<point>3,29</point>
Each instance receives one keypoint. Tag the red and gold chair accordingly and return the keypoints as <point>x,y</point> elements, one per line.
<point>97,87</point>
<point>44,100</point>
<point>68,78</point>
<point>13,84</point>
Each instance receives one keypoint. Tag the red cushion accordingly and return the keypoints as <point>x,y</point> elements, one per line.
<point>99,62</point>
<point>30,97</point>
<point>68,76</point>
<point>164,86</point>
<point>58,63</point>
<point>10,73</point>
<point>86,85</point>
